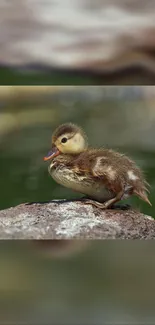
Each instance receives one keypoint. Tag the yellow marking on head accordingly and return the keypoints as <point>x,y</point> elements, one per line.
<point>75,143</point>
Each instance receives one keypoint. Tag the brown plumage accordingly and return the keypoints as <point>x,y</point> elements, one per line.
<point>102,174</point>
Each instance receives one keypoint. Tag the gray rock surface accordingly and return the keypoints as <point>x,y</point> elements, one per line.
<point>65,219</point>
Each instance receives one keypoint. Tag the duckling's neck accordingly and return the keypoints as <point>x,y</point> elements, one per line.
<point>63,159</point>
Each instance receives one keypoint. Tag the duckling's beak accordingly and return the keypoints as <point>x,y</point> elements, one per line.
<point>51,154</point>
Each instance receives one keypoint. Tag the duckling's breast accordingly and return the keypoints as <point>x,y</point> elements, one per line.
<point>83,183</point>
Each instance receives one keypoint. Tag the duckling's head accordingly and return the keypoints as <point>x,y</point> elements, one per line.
<point>67,139</point>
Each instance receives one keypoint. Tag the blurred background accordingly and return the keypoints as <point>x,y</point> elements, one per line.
<point>122,118</point>
<point>97,282</point>
<point>77,42</point>
<point>74,282</point>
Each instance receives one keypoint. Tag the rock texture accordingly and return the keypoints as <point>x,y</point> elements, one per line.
<point>65,219</point>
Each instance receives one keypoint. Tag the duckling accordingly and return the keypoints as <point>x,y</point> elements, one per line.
<point>103,175</point>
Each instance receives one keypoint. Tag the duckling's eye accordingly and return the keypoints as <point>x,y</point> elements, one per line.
<point>64,140</point>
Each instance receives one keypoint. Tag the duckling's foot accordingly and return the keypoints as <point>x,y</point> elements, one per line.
<point>110,204</point>
<point>104,205</point>
<point>94,203</point>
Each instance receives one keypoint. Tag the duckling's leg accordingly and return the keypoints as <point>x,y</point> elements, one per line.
<point>106,204</point>
<point>111,202</point>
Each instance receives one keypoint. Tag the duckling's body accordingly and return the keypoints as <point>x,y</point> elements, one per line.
<point>80,181</point>
<point>103,175</point>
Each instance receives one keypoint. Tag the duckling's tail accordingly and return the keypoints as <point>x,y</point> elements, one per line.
<point>142,195</point>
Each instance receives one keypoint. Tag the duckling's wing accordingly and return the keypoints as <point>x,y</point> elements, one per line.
<point>107,173</point>
<point>102,168</point>
<point>113,177</point>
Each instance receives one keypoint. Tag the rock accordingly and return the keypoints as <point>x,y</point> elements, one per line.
<point>63,219</point>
